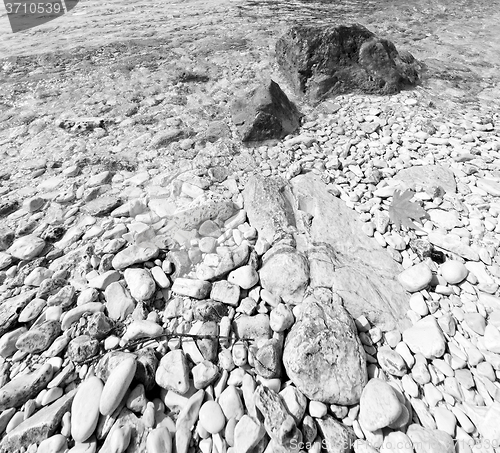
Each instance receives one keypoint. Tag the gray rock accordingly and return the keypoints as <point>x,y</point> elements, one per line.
<point>427,440</point>
<point>82,348</point>
<point>267,361</point>
<point>285,274</point>
<point>358,269</point>
<point>319,61</point>
<point>11,308</point>
<point>39,426</point>
<point>252,326</point>
<point>336,437</point>
<point>23,387</point>
<point>428,176</point>
<point>135,254</point>
<point>101,205</point>
<point>147,364</point>
<point>99,326</point>
<point>323,355</point>
<point>26,247</point>
<point>119,302</point>
<point>140,283</point>
<point>138,433</point>
<point>189,218</point>
<point>278,422</point>
<point>6,238</point>
<point>268,203</point>
<point>39,338</point>
<point>265,113</point>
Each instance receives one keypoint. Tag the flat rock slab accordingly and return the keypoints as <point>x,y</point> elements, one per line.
<point>39,426</point>
<point>429,176</point>
<point>359,269</point>
<point>321,61</point>
<point>101,205</point>
<point>268,203</point>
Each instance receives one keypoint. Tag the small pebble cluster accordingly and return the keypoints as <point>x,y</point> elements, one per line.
<point>136,314</point>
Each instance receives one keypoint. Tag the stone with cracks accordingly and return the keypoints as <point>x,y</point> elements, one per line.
<point>323,355</point>
<point>357,268</point>
<point>39,426</point>
<point>265,113</point>
<point>321,61</point>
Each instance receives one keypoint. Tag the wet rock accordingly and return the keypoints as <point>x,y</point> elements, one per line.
<point>321,61</point>
<point>39,338</point>
<point>323,355</point>
<point>265,113</point>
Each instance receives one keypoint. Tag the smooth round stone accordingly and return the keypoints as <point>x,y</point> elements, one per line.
<point>85,409</point>
<point>117,385</point>
<point>418,305</point>
<point>445,420</point>
<point>245,277</point>
<point>317,409</point>
<point>379,405</point>
<point>140,283</point>
<point>159,441</point>
<point>211,417</point>
<point>396,442</point>
<point>454,271</point>
<point>26,247</point>
<point>476,322</point>
<point>492,339</point>
<point>415,278</point>
<point>54,444</point>
<point>391,362</point>
<point>426,337</point>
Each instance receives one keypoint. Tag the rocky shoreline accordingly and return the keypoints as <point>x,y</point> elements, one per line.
<point>217,297</point>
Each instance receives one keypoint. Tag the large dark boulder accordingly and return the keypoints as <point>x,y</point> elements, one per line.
<point>319,61</point>
<point>266,113</point>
